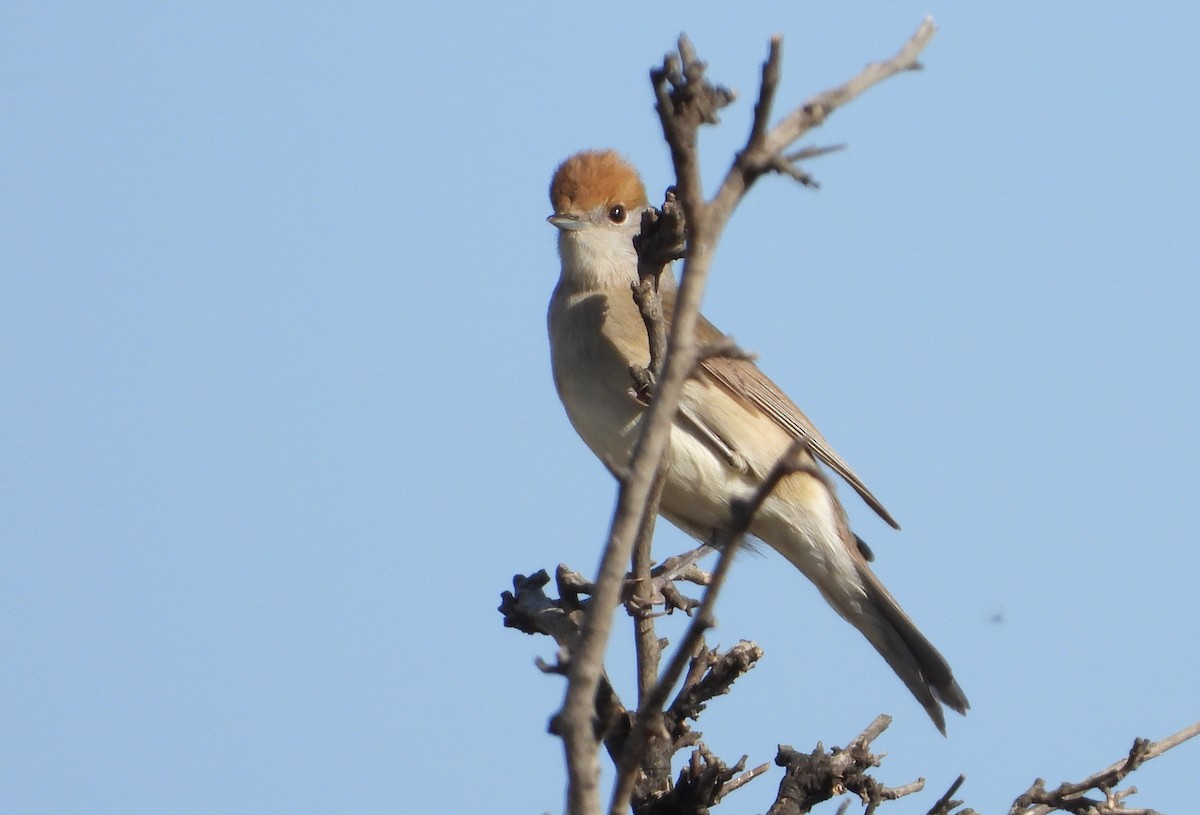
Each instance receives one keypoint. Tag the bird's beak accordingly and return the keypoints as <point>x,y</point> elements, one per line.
<point>566,223</point>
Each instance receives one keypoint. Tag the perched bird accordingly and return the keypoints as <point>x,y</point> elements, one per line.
<point>733,422</point>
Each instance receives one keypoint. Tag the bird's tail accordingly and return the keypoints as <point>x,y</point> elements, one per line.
<point>804,522</point>
<point>914,659</point>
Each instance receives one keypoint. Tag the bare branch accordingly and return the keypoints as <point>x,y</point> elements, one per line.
<point>647,646</point>
<point>946,803</point>
<point>814,112</point>
<point>812,778</point>
<point>722,671</point>
<point>744,779</point>
<point>673,599</point>
<point>766,154</point>
<point>702,781</point>
<point>683,567</point>
<point>1070,797</point>
<point>660,242</point>
<point>656,766</point>
<point>528,609</point>
<point>766,94</point>
<point>685,100</point>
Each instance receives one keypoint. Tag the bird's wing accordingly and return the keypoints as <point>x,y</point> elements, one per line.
<point>745,380</point>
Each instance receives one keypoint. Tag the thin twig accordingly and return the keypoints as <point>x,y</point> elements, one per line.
<point>647,646</point>
<point>814,112</point>
<point>946,803</point>
<point>766,94</point>
<point>762,155</point>
<point>744,779</point>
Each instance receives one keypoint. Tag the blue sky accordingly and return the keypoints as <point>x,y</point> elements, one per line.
<point>278,424</point>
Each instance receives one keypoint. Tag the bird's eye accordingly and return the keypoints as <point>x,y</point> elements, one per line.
<point>617,214</point>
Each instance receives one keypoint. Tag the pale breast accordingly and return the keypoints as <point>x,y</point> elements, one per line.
<point>591,349</point>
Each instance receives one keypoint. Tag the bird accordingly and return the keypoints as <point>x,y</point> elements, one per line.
<point>732,425</point>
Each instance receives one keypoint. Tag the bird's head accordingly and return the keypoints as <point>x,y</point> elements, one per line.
<point>598,200</point>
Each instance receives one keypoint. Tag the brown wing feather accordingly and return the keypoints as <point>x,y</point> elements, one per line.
<point>744,379</point>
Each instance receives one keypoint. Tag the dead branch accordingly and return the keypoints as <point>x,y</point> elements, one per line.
<point>813,778</point>
<point>712,674</point>
<point>1072,797</point>
<point>527,608</point>
<point>946,803</point>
